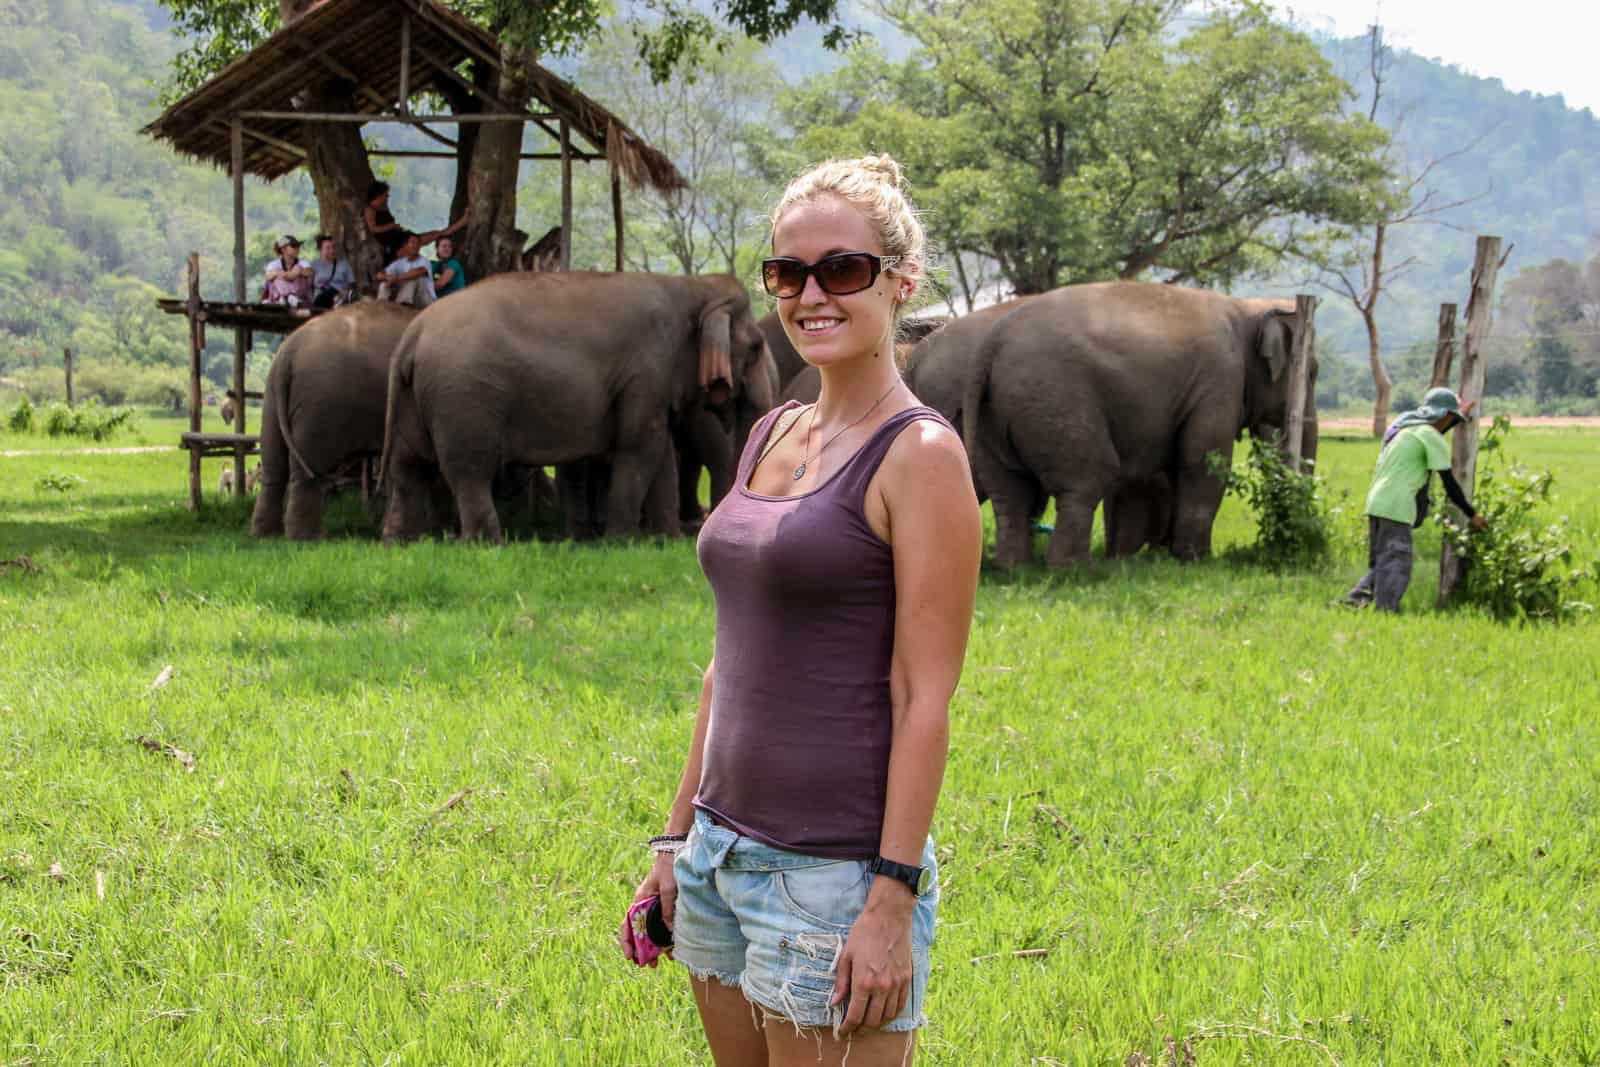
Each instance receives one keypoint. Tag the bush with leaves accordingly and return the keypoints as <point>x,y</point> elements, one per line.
<point>1294,525</point>
<point>88,420</point>
<point>1521,565</point>
<point>20,420</point>
<point>56,482</point>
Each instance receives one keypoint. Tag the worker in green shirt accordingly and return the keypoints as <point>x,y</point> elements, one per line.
<point>1415,447</point>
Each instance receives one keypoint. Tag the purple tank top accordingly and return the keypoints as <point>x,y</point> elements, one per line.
<point>797,750</point>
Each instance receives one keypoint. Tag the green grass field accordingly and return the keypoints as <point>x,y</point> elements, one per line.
<point>1282,832</point>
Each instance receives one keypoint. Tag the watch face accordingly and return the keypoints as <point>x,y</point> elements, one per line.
<point>924,880</point>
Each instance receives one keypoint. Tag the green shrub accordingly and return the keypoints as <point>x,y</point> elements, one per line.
<point>56,482</point>
<point>21,418</point>
<point>1294,526</point>
<point>1521,565</point>
<point>89,420</point>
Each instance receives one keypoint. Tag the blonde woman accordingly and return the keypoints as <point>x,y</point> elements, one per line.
<point>802,892</point>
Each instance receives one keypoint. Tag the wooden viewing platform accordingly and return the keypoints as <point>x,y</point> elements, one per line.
<point>246,320</point>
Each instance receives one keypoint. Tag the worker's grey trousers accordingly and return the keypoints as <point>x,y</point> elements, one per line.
<point>1388,565</point>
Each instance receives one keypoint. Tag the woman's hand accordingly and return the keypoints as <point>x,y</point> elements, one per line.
<point>874,969</point>
<point>660,882</point>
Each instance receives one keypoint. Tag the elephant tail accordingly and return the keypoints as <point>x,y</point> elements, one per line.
<point>400,368</point>
<point>278,385</point>
<point>972,398</point>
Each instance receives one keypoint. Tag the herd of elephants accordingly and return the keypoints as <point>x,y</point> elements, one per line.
<point>630,384</point>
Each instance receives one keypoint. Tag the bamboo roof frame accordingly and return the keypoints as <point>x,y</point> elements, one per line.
<point>390,50</point>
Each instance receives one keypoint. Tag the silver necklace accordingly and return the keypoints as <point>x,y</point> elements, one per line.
<point>800,471</point>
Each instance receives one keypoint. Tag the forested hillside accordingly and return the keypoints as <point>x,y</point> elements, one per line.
<point>97,219</point>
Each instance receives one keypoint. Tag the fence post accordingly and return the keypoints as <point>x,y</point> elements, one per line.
<point>1464,450</point>
<point>1444,353</point>
<point>1302,345</point>
<point>194,311</point>
<point>67,355</point>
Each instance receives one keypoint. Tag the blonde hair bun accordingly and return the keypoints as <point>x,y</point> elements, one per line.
<point>886,168</point>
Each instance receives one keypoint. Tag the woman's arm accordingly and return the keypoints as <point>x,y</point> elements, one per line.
<point>937,536</point>
<point>445,276</point>
<point>681,817</point>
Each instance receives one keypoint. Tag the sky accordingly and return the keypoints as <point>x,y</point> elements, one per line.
<point>1541,46</point>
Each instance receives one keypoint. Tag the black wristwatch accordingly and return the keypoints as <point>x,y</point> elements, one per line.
<point>918,879</point>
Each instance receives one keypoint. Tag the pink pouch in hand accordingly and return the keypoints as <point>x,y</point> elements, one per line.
<point>643,920</point>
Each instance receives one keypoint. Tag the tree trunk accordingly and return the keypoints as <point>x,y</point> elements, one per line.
<point>491,242</point>
<point>289,10</point>
<point>1382,384</point>
<point>340,174</point>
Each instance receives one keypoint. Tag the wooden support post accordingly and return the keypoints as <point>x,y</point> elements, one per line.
<point>241,337</point>
<point>566,195</point>
<point>616,211</point>
<point>1444,353</point>
<point>1300,356</point>
<point>66,355</point>
<point>1464,449</point>
<point>405,65</point>
<point>197,344</point>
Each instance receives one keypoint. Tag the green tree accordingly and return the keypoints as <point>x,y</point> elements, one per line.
<point>1071,140</point>
<point>706,120</point>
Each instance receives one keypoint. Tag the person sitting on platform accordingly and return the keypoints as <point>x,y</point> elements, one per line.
<point>288,276</point>
<point>389,233</point>
<point>409,279</point>
<point>448,277</point>
<point>332,280</point>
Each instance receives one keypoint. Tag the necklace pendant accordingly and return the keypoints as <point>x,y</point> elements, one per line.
<point>800,472</point>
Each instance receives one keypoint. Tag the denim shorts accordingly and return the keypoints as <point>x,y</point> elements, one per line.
<point>773,923</point>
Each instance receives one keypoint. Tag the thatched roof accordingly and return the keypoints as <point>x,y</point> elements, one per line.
<point>360,41</point>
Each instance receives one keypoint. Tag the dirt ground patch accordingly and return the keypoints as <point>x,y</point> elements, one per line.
<point>128,451</point>
<point>1531,422</point>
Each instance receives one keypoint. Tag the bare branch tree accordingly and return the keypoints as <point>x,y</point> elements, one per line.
<point>1366,272</point>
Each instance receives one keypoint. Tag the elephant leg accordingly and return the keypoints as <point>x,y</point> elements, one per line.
<point>1197,497</point>
<point>266,520</point>
<point>303,520</point>
<point>662,499</point>
<point>1069,543</point>
<point>688,481</point>
<point>407,516</point>
<point>642,445</point>
<point>1011,493</point>
<point>475,502</point>
<point>1137,515</point>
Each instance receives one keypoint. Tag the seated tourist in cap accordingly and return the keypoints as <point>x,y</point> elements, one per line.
<point>448,277</point>
<point>331,277</point>
<point>288,276</point>
<point>409,279</point>
<point>389,234</point>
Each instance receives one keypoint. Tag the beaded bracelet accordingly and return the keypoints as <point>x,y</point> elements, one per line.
<point>669,843</point>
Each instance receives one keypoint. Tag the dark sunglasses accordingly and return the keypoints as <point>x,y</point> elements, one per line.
<point>840,274</point>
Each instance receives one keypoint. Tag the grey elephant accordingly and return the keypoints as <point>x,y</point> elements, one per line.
<point>323,408</point>
<point>1120,392</point>
<point>550,369</point>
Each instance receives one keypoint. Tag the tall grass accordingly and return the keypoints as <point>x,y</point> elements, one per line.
<point>1278,831</point>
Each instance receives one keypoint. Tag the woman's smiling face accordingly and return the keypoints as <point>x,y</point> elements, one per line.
<point>825,328</point>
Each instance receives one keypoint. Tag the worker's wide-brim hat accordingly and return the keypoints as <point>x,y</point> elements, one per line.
<point>1438,402</point>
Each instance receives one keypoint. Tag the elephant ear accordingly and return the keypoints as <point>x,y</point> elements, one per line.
<point>716,365</point>
<point>1273,343</point>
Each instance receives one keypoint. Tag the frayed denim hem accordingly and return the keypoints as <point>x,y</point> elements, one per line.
<point>703,974</point>
<point>905,1026</point>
